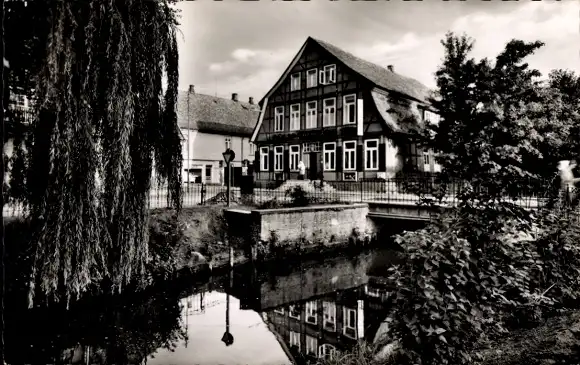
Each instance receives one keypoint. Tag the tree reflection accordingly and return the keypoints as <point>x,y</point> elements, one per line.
<point>125,332</point>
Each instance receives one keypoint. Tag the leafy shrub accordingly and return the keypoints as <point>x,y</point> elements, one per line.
<point>299,197</point>
<point>472,277</point>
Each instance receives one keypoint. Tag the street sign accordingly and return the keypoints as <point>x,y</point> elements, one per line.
<point>229,155</point>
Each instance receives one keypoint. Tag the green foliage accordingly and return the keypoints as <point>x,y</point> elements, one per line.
<point>103,122</point>
<point>299,197</point>
<point>498,119</point>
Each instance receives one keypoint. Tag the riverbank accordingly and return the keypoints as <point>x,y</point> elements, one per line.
<point>193,241</point>
<point>196,240</point>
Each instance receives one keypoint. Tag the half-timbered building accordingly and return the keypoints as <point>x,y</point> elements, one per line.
<point>346,118</point>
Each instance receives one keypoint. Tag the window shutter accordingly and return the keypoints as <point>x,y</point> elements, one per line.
<point>382,157</point>
<point>339,166</point>
<point>271,160</point>
<point>257,162</point>
<point>360,158</point>
<point>321,77</point>
<point>286,157</point>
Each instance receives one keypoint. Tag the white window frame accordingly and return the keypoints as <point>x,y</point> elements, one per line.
<point>327,75</point>
<point>295,81</point>
<point>311,345</point>
<point>264,158</point>
<point>327,121</point>
<point>329,316</point>
<point>294,155</point>
<point>279,119</point>
<point>311,114</point>
<point>294,117</point>
<point>291,307</point>
<point>431,117</point>
<point>346,112</point>
<point>278,158</point>
<point>346,151</point>
<point>346,325</point>
<point>327,351</point>
<point>311,78</point>
<point>295,339</point>
<point>311,312</point>
<point>371,149</point>
<point>331,153</point>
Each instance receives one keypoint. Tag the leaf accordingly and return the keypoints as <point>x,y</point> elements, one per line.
<point>442,338</point>
<point>440,330</point>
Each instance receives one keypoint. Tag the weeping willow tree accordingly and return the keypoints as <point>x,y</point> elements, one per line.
<point>104,123</point>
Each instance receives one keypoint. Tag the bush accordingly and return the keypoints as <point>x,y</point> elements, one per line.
<point>470,279</point>
<point>299,197</point>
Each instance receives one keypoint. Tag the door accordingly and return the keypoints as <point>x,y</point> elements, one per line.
<point>314,161</point>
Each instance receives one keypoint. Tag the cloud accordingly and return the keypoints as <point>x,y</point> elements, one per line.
<point>253,70</point>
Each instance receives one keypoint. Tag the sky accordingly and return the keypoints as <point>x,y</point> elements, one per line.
<point>243,47</point>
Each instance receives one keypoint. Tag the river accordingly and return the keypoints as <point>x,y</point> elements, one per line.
<point>274,314</point>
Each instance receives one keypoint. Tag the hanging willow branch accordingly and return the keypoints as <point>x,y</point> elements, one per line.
<point>104,123</point>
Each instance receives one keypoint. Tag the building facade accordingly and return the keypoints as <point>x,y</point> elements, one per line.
<point>347,119</point>
<point>208,126</point>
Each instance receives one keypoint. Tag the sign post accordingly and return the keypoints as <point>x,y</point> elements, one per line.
<point>229,156</point>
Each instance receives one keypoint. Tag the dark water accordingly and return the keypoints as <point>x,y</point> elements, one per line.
<point>280,314</point>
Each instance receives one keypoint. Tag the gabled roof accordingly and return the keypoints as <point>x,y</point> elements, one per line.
<point>213,114</point>
<point>378,75</point>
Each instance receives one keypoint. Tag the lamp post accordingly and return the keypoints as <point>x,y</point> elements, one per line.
<point>229,156</point>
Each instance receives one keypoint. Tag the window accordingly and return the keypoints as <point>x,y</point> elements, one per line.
<point>328,75</point>
<point>294,157</point>
<point>372,154</point>
<point>311,345</point>
<point>228,142</point>
<point>349,110</point>
<point>431,117</point>
<point>426,158</point>
<point>278,158</point>
<point>311,80</point>
<point>329,316</point>
<point>327,351</point>
<point>208,172</point>
<point>329,113</point>
<point>311,114</point>
<point>279,119</point>
<point>295,82</point>
<point>311,147</point>
<point>295,117</point>
<point>349,158</point>
<point>329,150</point>
<point>264,163</point>
<point>294,311</point>
<point>349,322</point>
<point>295,340</point>
<point>311,312</point>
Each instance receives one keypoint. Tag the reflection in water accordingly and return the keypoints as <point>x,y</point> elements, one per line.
<point>276,315</point>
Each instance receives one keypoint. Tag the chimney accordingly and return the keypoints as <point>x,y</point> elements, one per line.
<point>251,100</point>
<point>391,68</point>
<point>235,96</point>
<point>191,89</point>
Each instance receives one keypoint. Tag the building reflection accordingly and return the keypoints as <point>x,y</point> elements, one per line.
<point>323,326</point>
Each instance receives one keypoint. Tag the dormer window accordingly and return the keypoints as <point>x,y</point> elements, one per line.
<point>430,117</point>
<point>295,82</point>
<point>328,75</point>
